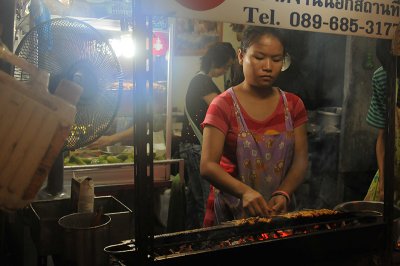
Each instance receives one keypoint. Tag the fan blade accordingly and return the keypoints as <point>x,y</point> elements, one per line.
<point>80,53</point>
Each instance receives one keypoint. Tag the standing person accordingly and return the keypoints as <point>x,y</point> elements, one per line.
<point>202,89</point>
<point>254,138</point>
<point>125,136</point>
<point>376,117</point>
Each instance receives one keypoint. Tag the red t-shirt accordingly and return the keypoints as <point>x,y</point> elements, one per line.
<point>220,114</point>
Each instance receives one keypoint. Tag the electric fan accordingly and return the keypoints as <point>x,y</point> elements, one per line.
<point>70,49</point>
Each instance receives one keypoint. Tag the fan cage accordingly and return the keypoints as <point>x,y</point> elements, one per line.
<point>68,48</point>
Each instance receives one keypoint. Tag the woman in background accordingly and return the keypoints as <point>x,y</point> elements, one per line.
<point>202,89</point>
<point>254,139</point>
<point>376,117</point>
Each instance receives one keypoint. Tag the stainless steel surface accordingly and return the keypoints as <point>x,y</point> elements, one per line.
<point>45,230</point>
<point>123,250</point>
<point>115,165</point>
<point>43,217</point>
<point>362,206</point>
<point>122,222</point>
<point>117,149</point>
<point>375,206</point>
<point>85,238</point>
<point>329,116</point>
<point>120,173</point>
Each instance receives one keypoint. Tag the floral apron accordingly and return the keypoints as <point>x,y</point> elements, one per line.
<point>263,161</point>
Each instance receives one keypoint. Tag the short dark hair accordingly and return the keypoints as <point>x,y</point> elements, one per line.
<point>251,34</point>
<point>383,52</point>
<point>217,55</point>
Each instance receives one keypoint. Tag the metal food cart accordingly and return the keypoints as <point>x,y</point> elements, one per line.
<point>218,245</point>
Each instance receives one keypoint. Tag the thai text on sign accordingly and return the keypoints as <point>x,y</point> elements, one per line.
<point>376,19</point>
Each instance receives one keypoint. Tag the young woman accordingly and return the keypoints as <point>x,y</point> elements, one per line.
<point>202,90</point>
<point>254,138</point>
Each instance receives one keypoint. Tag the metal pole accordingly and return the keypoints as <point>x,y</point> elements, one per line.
<point>389,159</point>
<point>390,135</point>
<point>7,16</point>
<point>169,90</point>
<point>7,13</point>
<point>143,135</point>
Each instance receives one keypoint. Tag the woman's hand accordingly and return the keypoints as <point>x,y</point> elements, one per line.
<point>278,204</point>
<point>254,204</point>
<point>103,141</point>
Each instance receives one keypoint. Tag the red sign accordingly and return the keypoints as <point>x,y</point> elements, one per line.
<point>160,43</point>
<point>200,5</point>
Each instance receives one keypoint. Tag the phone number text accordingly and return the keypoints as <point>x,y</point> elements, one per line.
<point>342,24</point>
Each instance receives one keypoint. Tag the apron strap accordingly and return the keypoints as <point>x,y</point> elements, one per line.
<point>194,127</point>
<point>288,117</point>
<point>196,130</point>
<point>239,116</point>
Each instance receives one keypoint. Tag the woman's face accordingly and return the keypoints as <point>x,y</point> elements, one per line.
<point>219,71</point>
<point>262,62</point>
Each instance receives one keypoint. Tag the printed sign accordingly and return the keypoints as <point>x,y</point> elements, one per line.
<point>200,5</point>
<point>374,18</point>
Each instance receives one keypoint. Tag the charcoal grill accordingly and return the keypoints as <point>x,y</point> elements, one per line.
<point>305,240</point>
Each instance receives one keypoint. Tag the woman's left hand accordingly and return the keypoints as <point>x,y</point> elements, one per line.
<point>278,204</point>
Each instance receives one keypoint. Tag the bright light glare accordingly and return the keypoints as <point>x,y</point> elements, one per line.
<point>124,46</point>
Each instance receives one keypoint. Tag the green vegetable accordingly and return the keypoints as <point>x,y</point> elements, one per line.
<point>122,156</point>
<point>76,160</point>
<point>113,159</point>
<point>129,159</point>
<point>66,160</point>
<point>95,161</point>
<point>103,157</point>
<point>87,160</point>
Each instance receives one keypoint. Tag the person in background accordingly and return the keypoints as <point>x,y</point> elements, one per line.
<point>202,89</point>
<point>125,137</point>
<point>376,117</point>
<point>255,151</point>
